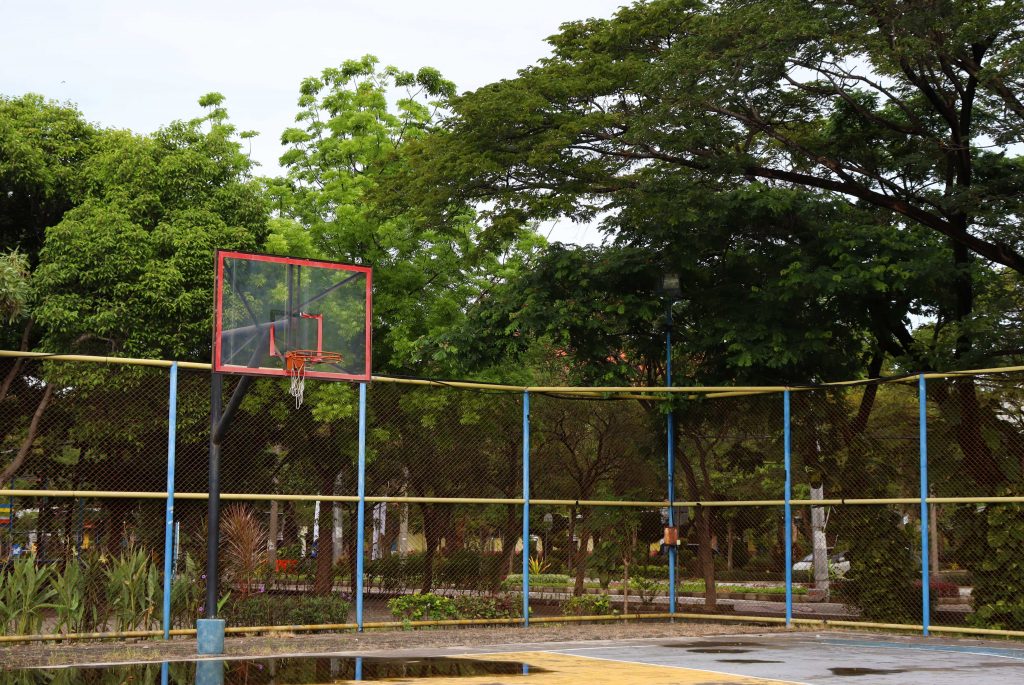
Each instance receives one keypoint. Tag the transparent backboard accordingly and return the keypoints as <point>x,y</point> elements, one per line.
<point>267,306</point>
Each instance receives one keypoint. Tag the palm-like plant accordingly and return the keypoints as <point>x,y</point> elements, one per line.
<point>244,548</point>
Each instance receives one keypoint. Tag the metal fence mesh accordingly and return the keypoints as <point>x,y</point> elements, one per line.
<point>444,500</point>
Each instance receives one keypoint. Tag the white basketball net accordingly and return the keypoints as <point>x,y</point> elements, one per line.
<point>298,386</point>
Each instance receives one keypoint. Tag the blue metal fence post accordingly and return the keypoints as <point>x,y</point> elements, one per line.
<point>787,460</point>
<point>925,579</point>
<point>172,430</point>
<point>361,508</point>
<point>670,449</point>
<point>526,508</point>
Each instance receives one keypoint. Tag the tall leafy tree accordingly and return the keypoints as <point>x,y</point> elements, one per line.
<point>42,146</point>
<point>128,271</point>
<point>354,125</point>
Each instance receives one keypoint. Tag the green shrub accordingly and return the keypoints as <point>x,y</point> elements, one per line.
<point>646,588</point>
<point>759,564</point>
<point>423,607</point>
<point>587,605</point>
<point>745,575</point>
<point>656,571</point>
<point>187,593</point>
<point>307,610</point>
<point>467,570</point>
<point>883,567</point>
<point>264,609</point>
<point>506,605</point>
<point>388,574</point>
<point>992,548</point>
<point>514,581</point>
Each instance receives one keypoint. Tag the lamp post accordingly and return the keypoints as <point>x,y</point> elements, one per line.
<point>671,291</point>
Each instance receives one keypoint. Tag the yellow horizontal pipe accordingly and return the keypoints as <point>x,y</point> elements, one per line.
<point>234,630</point>
<point>126,361</point>
<point>444,500</point>
<point>264,497</point>
<point>659,389</point>
<point>447,384</point>
<point>976,631</point>
<point>975,500</point>
<point>114,494</point>
<point>732,618</point>
<point>114,635</point>
<point>597,503</point>
<point>446,622</point>
<point>722,391</point>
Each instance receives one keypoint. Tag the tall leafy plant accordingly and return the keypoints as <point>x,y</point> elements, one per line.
<point>134,590</point>
<point>25,593</point>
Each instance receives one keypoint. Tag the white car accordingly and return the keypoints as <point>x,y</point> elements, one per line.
<point>838,564</point>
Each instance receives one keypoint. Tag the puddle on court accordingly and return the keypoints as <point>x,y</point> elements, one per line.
<point>283,671</point>
<point>714,643</point>
<point>718,650</point>
<point>854,671</point>
<point>748,661</point>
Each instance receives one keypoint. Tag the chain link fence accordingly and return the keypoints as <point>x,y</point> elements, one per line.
<point>817,519</point>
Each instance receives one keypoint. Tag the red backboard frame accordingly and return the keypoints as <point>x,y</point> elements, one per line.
<point>221,367</point>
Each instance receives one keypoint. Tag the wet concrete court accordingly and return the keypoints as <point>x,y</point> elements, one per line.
<point>769,659</point>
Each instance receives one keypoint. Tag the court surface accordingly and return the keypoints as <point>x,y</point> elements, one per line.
<point>818,659</point>
<point>749,659</point>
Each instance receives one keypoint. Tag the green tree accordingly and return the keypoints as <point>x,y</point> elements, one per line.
<point>127,272</point>
<point>351,135</point>
<point>42,146</point>
<point>893,106</point>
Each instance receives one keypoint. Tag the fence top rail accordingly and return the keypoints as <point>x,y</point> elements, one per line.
<point>634,392</point>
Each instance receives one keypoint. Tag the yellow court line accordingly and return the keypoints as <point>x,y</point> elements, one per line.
<point>567,669</point>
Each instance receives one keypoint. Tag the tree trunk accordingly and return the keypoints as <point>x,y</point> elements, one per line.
<point>702,524</point>
<point>30,437</point>
<point>290,526</point>
<point>728,544</point>
<point>337,521</point>
<point>44,526</point>
<point>706,556</point>
<point>580,553</point>
<point>433,529</point>
<point>509,535</point>
<point>821,581</point>
<point>18,363</point>
<point>350,532</point>
<point>625,586</point>
<point>963,403</point>
<point>323,582</point>
<point>272,538</point>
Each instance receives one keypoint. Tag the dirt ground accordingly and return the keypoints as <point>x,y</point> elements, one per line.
<point>82,653</point>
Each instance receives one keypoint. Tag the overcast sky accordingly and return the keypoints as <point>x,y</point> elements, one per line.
<point>140,64</point>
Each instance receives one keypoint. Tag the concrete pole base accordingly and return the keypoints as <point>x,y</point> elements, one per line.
<point>210,635</point>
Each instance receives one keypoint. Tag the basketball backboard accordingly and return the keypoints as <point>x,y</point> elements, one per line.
<point>268,306</point>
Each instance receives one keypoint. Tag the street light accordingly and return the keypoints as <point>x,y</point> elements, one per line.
<point>670,288</point>
<point>671,291</point>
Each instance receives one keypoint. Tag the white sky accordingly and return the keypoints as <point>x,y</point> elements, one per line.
<point>141,64</point>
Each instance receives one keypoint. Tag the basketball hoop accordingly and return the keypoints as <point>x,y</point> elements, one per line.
<point>295,366</point>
